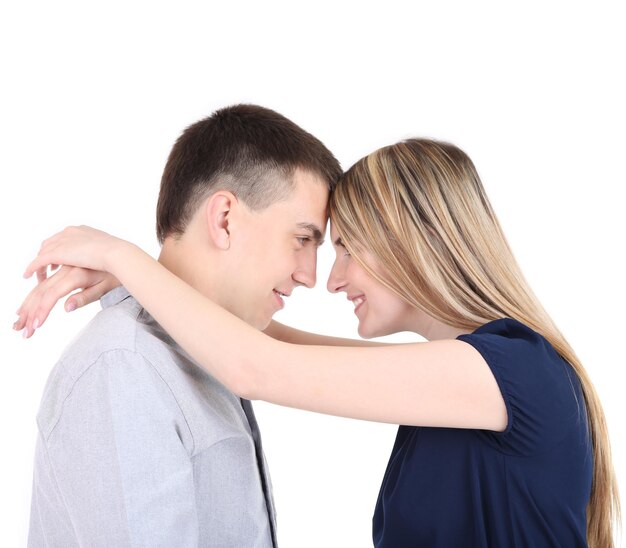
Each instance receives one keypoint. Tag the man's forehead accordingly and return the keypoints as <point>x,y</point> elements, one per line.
<point>308,205</point>
<point>315,197</point>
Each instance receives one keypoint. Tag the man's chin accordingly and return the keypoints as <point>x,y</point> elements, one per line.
<point>262,323</point>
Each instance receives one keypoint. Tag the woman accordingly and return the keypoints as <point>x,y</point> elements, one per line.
<point>503,440</point>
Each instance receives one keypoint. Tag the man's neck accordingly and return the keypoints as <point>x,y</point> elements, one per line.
<point>181,259</point>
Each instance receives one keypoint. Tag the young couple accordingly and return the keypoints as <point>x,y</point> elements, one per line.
<point>146,433</point>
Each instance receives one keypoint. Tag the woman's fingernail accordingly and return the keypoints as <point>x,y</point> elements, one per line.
<point>70,306</point>
<point>35,323</point>
<point>25,332</point>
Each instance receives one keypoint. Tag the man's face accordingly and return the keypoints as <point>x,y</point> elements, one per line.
<point>275,250</point>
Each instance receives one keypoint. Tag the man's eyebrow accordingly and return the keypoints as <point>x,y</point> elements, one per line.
<point>315,231</point>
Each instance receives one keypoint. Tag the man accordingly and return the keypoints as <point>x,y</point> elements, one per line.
<point>137,445</point>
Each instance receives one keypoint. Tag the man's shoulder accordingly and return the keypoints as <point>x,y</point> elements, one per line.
<point>114,328</point>
<point>115,336</point>
<point>124,341</point>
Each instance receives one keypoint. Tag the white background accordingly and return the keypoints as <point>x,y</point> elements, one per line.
<point>94,95</point>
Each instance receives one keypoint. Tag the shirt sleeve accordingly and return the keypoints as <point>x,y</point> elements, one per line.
<point>540,390</point>
<point>119,458</point>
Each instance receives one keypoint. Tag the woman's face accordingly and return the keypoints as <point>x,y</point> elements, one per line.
<point>379,310</point>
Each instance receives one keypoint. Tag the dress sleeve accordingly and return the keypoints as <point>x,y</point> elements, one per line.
<point>540,390</point>
<point>119,460</point>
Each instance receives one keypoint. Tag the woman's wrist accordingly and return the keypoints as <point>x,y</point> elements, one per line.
<point>119,254</point>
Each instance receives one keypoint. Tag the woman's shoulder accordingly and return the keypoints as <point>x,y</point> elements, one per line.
<point>511,338</point>
<point>506,327</point>
<point>519,352</point>
<point>539,387</point>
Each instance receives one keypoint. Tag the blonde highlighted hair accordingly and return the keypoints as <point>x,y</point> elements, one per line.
<point>420,208</point>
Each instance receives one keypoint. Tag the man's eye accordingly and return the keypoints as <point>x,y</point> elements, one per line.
<point>303,239</point>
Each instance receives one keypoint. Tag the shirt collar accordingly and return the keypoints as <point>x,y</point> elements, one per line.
<point>115,296</point>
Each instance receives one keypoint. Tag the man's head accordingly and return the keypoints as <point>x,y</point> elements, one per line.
<point>249,150</point>
<point>243,205</point>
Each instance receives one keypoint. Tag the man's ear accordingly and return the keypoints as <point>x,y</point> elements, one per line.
<point>218,209</point>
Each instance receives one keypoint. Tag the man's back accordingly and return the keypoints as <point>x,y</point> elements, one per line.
<point>139,447</point>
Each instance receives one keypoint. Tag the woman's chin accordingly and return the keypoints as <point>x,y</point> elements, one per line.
<point>366,332</point>
<point>373,331</point>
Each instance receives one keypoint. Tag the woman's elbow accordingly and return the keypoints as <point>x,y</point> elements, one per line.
<point>244,380</point>
<point>253,367</point>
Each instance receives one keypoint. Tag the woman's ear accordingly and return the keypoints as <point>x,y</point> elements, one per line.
<point>218,217</point>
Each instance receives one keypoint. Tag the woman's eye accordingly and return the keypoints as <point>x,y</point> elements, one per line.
<point>339,243</point>
<point>346,253</point>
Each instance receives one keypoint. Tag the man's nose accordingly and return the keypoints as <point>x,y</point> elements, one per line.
<point>306,271</point>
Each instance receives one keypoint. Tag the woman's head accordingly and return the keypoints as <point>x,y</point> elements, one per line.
<point>380,310</point>
<point>418,208</point>
<point>415,218</point>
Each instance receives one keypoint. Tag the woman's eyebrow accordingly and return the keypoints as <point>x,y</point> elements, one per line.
<point>315,231</point>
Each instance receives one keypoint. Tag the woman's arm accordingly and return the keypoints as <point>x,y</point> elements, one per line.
<point>288,334</point>
<point>441,383</point>
<point>93,284</point>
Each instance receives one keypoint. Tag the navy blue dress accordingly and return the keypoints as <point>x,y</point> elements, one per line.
<point>526,486</point>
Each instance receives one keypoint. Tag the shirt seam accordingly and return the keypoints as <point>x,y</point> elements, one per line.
<point>76,380</point>
<point>53,474</point>
<point>494,366</point>
<point>140,310</point>
<point>506,491</point>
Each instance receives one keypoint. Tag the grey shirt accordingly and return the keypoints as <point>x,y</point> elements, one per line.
<point>138,446</point>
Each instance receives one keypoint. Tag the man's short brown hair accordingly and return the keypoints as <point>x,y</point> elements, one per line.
<point>249,150</point>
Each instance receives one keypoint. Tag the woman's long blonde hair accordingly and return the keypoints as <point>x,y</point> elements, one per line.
<point>420,208</point>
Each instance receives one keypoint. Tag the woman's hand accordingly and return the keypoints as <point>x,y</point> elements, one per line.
<point>76,246</point>
<point>41,300</point>
<point>79,246</point>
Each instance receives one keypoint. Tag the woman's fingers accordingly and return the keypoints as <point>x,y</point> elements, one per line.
<point>73,247</point>
<point>101,283</point>
<point>76,246</point>
<point>85,297</point>
<point>50,254</point>
<point>41,300</point>
<point>38,265</point>
<point>31,307</point>
<point>42,274</point>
